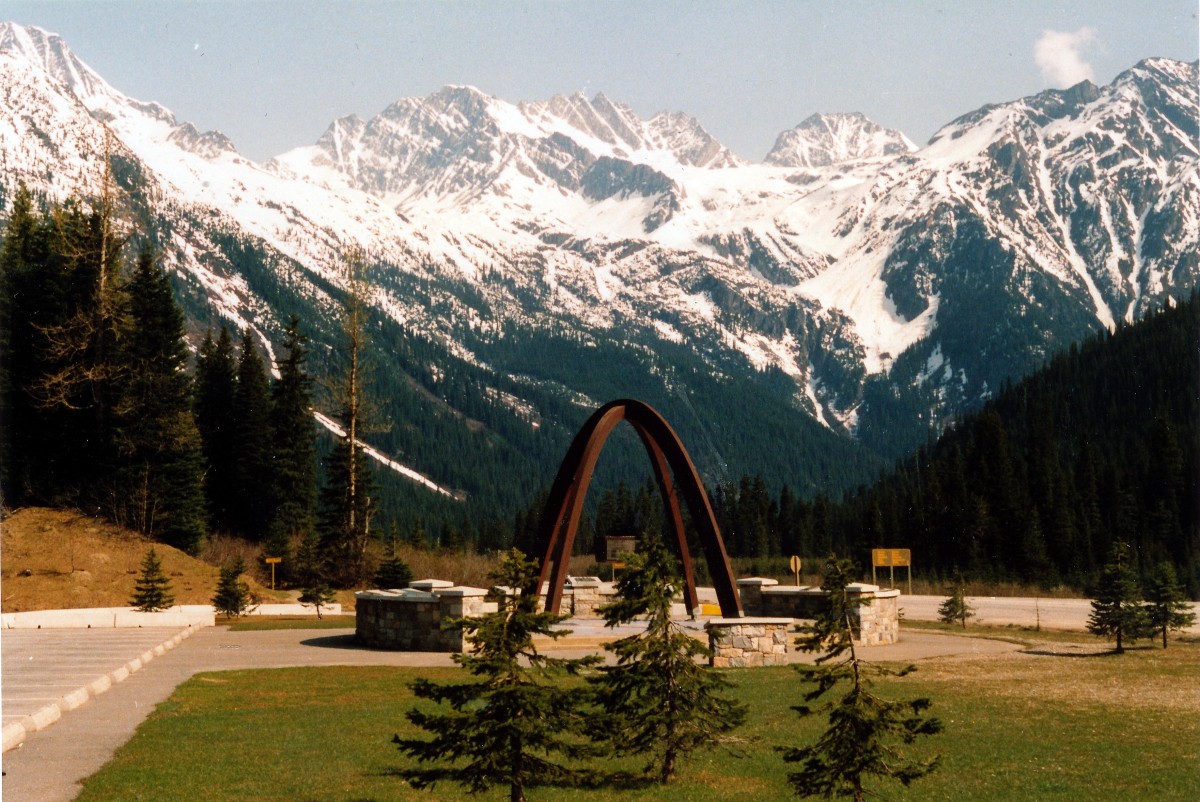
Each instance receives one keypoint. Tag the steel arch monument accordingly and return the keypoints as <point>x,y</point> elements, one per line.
<point>675,474</point>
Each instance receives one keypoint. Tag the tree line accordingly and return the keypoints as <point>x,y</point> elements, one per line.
<point>1097,447</point>
<point>102,412</point>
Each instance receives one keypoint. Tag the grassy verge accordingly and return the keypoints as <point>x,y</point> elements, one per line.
<point>256,623</point>
<point>1018,727</point>
<point>1010,632</point>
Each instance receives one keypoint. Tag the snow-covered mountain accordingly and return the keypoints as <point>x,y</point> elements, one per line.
<point>871,286</point>
<point>827,139</point>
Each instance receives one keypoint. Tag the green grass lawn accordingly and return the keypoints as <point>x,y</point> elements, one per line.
<point>261,622</point>
<point>1020,727</point>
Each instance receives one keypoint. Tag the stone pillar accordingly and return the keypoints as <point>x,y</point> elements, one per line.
<point>750,589</point>
<point>738,642</point>
<point>459,602</point>
<point>878,622</point>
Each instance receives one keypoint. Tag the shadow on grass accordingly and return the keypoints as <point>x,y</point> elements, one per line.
<point>1077,654</point>
<point>618,780</point>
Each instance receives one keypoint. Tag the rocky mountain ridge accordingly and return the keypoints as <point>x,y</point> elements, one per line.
<point>878,289</point>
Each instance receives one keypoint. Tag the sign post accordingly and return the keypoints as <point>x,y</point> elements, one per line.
<point>891,558</point>
<point>616,549</point>
<point>795,566</point>
<point>272,561</point>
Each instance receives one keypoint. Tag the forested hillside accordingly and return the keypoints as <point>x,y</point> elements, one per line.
<point>1099,445</point>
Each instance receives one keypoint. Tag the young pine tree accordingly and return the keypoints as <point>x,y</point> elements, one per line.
<point>317,595</point>
<point>1117,611</point>
<point>1167,607</point>
<point>153,590</point>
<point>511,725</point>
<point>657,700</point>
<point>860,741</point>
<point>393,572</point>
<point>955,610</point>
<point>233,595</point>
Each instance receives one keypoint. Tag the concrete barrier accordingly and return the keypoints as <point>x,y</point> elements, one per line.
<point>295,609</point>
<point>186,615</point>
<point>15,733</point>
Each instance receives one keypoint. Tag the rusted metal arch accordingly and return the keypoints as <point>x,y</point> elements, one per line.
<point>560,517</point>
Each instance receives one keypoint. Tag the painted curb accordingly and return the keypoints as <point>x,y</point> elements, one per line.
<point>14,734</point>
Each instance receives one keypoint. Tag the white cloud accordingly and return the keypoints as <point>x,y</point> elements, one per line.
<point>1060,58</point>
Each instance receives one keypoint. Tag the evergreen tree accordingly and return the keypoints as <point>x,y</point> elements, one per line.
<point>252,471</point>
<point>344,516</point>
<point>23,248</point>
<point>347,501</point>
<point>393,572</point>
<point>1167,607</point>
<point>309,569</point>
<point>64,307</point>
<point>162,464</point>
<point>232,598</point>
<point>216,387</point>
<point>657,700</point>
<point>153,590</point>
<point>294,482</point>
<point>82,369</point>
<point>318,595</point>
<point>863,726</point>
<point>955,608</point>
<point>508,727</point>
<point>1117,610</point>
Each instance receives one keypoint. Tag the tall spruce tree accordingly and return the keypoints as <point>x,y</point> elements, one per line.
<point>347,501</point>
<point>510,726</point>
<point>22,271</point>
<point>345,511</point>
<point>657,701</point>
<point>216,387</point>
<point>252,485</point>
<point>64,308</point>
<point>294,481</point>
<point>81,373</point>
<point>162,463</point>
<point>860,742</point>
<point>1117,610</point>
<point>1167,608</point>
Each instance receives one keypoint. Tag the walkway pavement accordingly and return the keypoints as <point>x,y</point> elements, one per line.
<point>49,672</point>
<point>51,763</point>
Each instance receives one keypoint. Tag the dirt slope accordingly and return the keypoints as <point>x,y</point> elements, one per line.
<point>52,559</point>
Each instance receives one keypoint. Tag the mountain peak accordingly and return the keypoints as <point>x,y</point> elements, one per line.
<point>825,139</point>
<point>48,52</point>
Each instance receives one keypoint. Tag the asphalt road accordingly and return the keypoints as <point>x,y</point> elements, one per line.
<point>1068,614</point>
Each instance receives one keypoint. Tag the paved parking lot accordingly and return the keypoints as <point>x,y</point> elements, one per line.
<point>43,667</point>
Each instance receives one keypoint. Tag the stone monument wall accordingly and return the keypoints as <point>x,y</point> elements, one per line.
<point>876,623</point>
<point>411,619</point>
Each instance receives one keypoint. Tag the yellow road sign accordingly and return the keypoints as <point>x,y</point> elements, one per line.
<point>891,558</point>
<point>794,563</point>
<point>272,560</point>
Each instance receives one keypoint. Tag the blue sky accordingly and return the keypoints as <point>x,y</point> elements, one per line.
<point>273,75</point>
